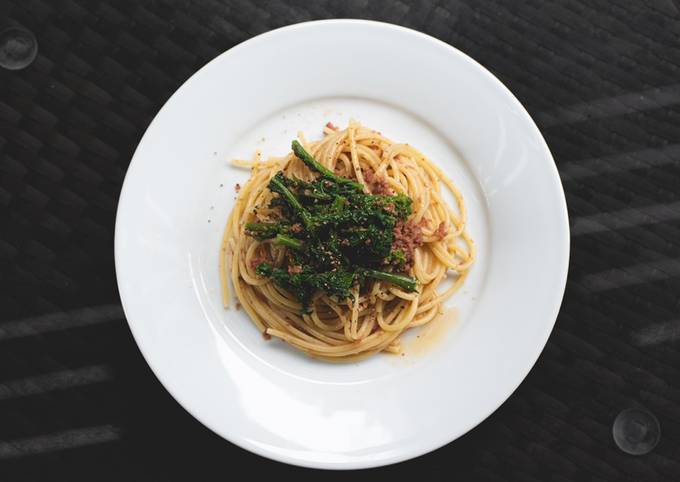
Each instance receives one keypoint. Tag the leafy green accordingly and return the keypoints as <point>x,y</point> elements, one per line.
<point>266,230</point>
<point>396,258</point>
<point>314,165</point>
<point>338,235</point>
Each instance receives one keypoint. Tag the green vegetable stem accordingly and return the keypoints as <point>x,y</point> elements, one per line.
<point>337,235</point>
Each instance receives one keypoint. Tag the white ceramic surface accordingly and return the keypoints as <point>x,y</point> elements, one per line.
<point>265,396</point>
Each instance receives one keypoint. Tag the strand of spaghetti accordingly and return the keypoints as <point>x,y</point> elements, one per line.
<point>424,317</point>
<point>403,318</point>
<point>372,342</point>
<point>354,319</point>
<point>367,156</point>
<point>339,322</point>
<point>224,282</point>
<point>368,323</point>
<point>448,293</point>
<point>275,296</point>
<point>354,156</point>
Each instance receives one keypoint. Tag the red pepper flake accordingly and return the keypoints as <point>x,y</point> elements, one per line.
<point>331,126</point>
<point>237,187</point>
<point>294,269</point>
<point>266,336</point>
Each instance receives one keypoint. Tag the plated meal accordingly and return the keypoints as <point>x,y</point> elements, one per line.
<point>340,246</point>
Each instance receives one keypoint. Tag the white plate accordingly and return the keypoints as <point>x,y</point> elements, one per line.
<point>265,396</point>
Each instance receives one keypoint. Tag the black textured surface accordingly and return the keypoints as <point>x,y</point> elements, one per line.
<point>77,401</point>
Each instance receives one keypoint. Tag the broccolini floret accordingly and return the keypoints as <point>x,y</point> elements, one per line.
<point>337,234</point>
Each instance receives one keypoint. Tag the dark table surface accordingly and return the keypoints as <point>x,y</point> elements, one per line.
<point>601,79</point>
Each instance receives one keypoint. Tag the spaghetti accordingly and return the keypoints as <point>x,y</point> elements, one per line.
<point>378,312</point>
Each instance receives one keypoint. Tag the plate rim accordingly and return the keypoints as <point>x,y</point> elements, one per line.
<point>432,444</point>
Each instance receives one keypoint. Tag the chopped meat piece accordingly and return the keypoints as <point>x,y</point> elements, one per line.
<point>441,230</point>
<point>296,228</point>
<point>376,184</point>
<point>294,269</point>
<point>261,256</point>
<point>407,237</point>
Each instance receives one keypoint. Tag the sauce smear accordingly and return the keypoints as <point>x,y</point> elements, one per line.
<point>431,335</point>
